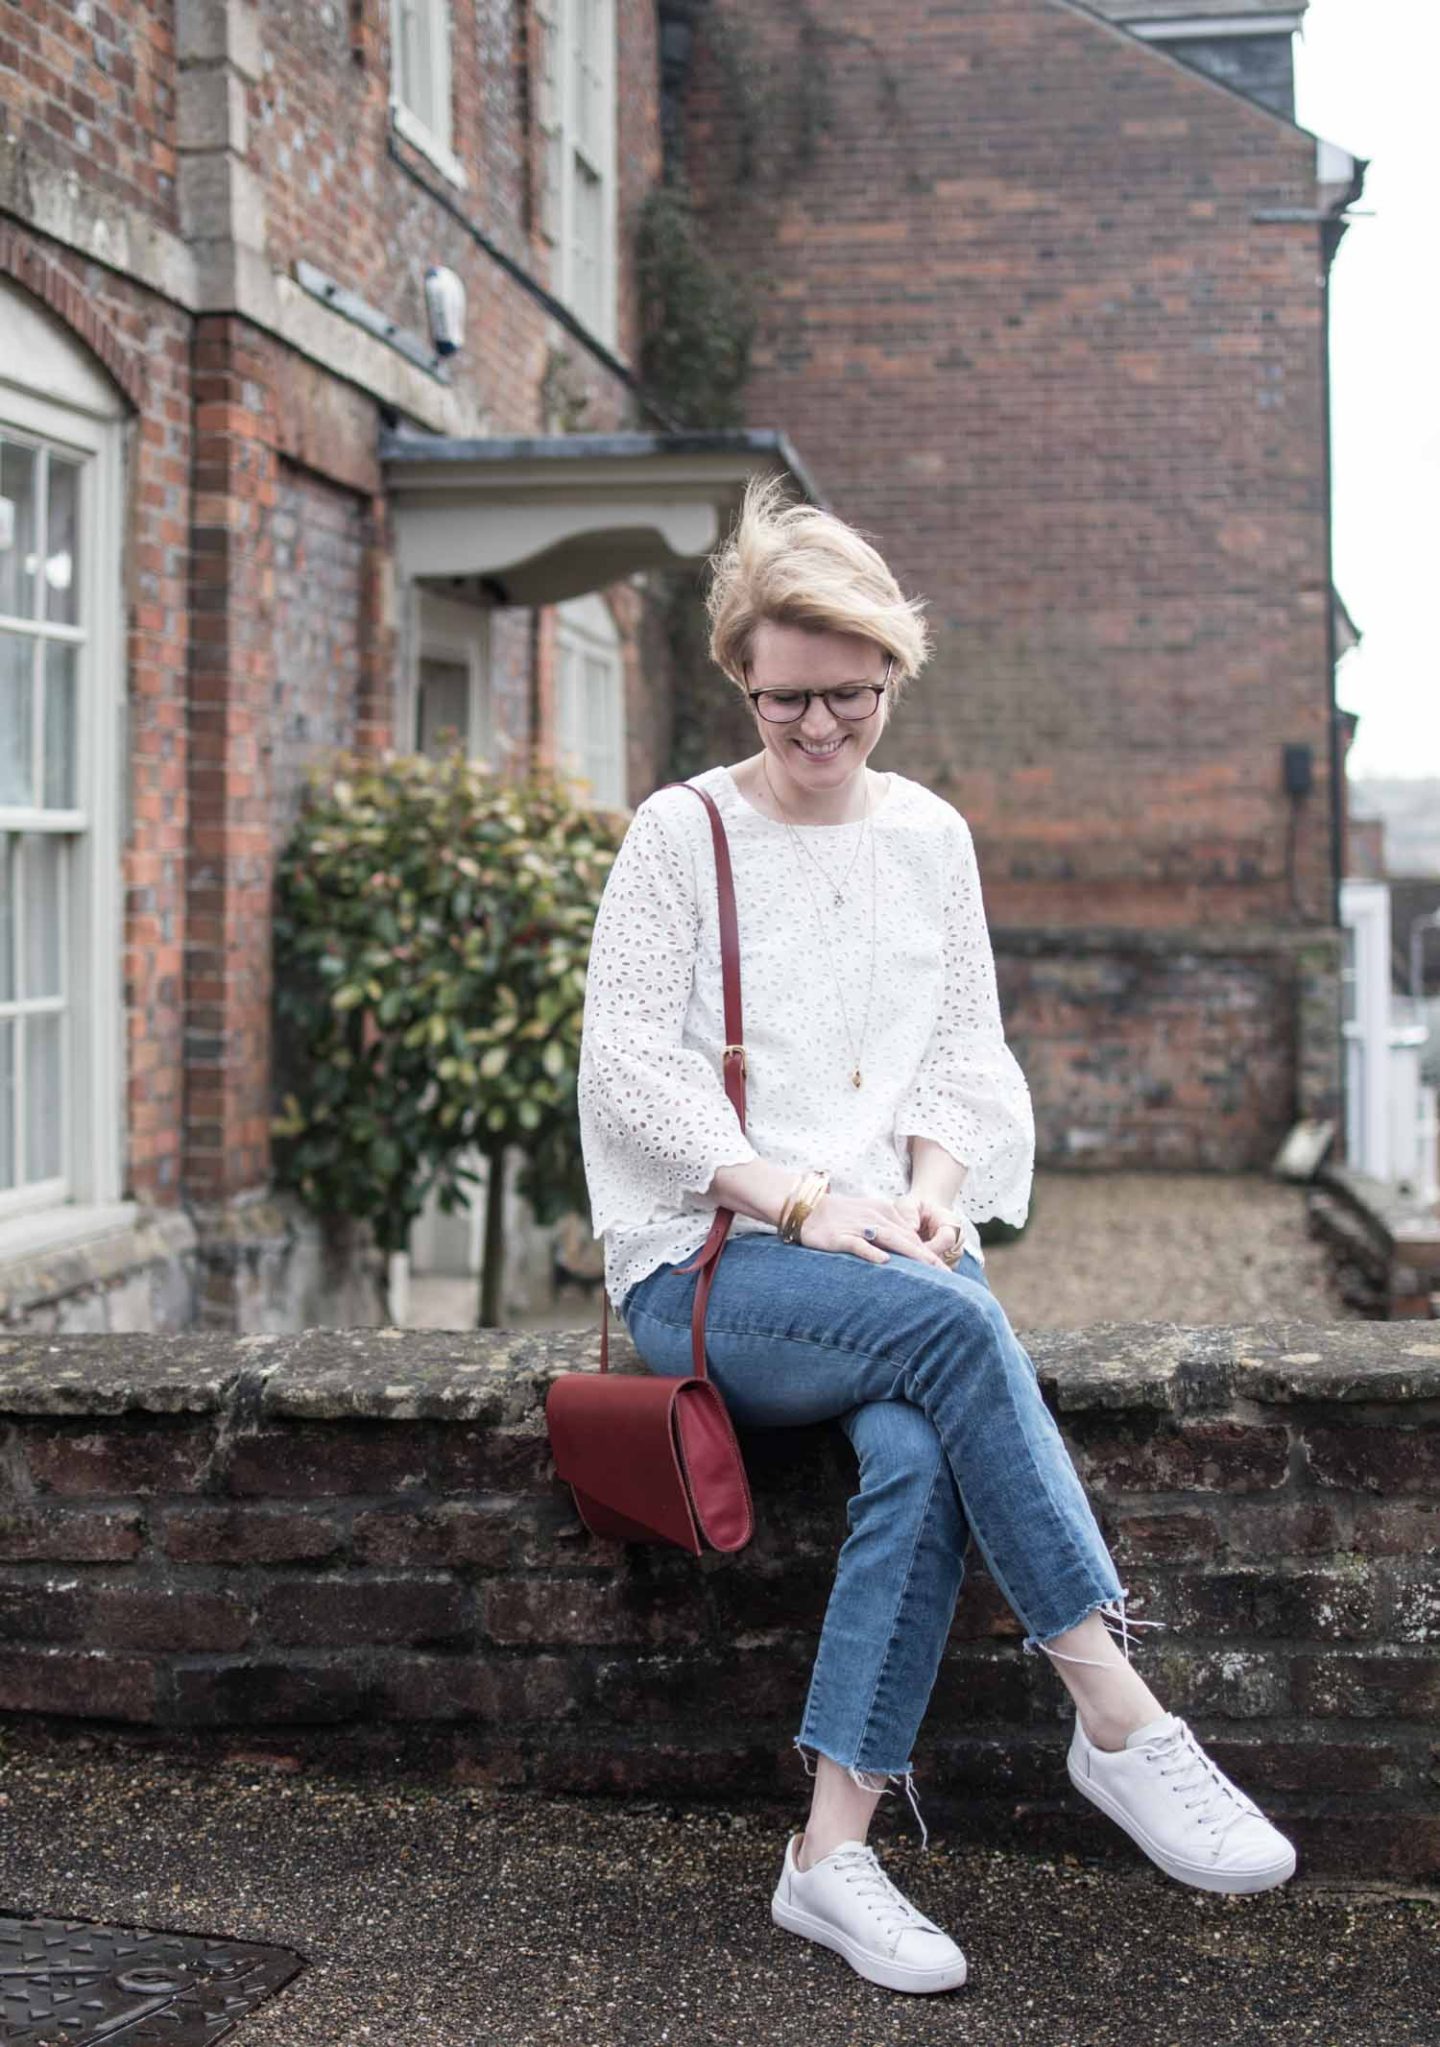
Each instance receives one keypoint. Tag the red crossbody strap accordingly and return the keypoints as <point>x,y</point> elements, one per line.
<point>733,1073</point>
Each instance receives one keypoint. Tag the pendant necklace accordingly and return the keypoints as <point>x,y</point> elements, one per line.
<point>837,888</point>
<point>857,1078</point>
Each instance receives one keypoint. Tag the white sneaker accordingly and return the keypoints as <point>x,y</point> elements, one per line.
<point>846,1902</point>
<point>1182,1810</point>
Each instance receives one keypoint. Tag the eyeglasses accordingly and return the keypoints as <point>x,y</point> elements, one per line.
<point>852,701</point>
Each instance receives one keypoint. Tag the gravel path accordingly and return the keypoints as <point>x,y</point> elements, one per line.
<point>454,1916</point>
<point>1100,1247</point>
<point>1163,1247</point>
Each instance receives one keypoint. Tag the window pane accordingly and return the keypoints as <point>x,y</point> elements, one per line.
<point>7,1104</point>
<point>42,1097</point>
<point>7,916</point>
<point>40,856</point>
<point>590,24</point>
<point>62,544</point>
<point>17,667</point>
<point>17,530</point>
<point>589,219</point>
<point>569,730</point>
<point>59,728</point>
<point>444,704</point>
<point>417,62</point>
<point>551,165</point>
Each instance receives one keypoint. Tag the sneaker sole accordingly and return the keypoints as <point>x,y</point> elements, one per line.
<point>1233,1883</point>
<point>890,1975</point>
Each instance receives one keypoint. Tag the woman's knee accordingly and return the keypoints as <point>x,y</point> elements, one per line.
<point>901,1456</point>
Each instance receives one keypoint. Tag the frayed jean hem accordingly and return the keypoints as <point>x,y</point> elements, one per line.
<point>857,1775</point>
<point>1118,1623</point>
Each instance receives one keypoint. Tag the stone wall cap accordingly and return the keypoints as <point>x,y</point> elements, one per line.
<point>500,1377</point>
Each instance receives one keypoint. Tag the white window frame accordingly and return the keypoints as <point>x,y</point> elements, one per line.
<point>66,401</point>
<point>566,152</point>
<point>446,630</point>
<point>1365,981</point>
<point>585,631</point>
<point>433,137</point>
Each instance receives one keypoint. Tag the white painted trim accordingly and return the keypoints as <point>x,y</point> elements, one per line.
<point>449,631</point>
<point>51,1229</point>
<point>585,626</point>
<point>1365,911</point>
<point>436,143</point>
<point>419,137</point>
<point>93,1150</point>
<point>1333,164</point>
<point>1207,25</point>
<point>605,327</point>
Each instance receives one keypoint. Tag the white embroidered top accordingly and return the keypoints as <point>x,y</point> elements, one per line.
<point>655,1121</point>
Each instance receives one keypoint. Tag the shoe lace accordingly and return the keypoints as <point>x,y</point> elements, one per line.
<point>1207,1792</point>
<point>889,1905</point>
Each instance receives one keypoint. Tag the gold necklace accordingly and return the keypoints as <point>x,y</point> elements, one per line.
<point>867,832</point>
<point>837,889</point>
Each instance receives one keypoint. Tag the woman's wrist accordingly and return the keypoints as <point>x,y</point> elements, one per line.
<point>936,1176</point>
<point>809,1190</point>
<point>757,1189</point>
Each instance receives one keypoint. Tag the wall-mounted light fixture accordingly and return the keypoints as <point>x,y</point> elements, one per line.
<point>445,303</point>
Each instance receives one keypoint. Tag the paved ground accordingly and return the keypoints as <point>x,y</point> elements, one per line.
<point>447,1917</point>
<point>1163,1247</point>
<point>1101,1247</point>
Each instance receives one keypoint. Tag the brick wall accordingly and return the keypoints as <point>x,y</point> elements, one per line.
<point>1144,1055</point>
<point>261,609</point>
<point>1015,309</point>
<point>317,544</point>
<point>351,1543</point>
<point>93,87</point>
<point>1016,312</point>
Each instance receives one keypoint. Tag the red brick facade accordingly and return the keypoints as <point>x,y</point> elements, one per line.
<point>260,600</point>
<point>1019,310</point>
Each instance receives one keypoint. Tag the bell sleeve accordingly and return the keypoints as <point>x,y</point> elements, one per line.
<point>655,1120</point>
<point>969,1093</point>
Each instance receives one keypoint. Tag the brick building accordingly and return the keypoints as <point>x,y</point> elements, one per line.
<point>1040,299</point>
<point>216,364</point>
<point>1041,291</point>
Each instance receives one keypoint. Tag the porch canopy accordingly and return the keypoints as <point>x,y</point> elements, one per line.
<point>537,520</point>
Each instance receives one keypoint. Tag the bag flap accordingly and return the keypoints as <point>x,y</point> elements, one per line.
<point>612,1436</point>
<point>719,1488</point>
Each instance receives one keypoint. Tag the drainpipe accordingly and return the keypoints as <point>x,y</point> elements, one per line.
<point>1332,229</point>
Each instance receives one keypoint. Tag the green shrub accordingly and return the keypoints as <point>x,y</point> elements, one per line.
<point>431,934</point>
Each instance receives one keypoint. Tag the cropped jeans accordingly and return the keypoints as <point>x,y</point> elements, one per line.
<point>925,1375</point>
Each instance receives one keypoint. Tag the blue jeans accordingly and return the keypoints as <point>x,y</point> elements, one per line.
<point>925,1375</point>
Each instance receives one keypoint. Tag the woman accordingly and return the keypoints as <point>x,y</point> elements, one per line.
<point>886,1115</point>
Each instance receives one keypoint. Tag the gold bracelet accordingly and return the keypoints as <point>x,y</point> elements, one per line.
<point>808,1190</point>
<point>800,1197</point>
<point>802,1209</point>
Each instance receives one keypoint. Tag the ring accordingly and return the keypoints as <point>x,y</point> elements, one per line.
<point>870,1233</point>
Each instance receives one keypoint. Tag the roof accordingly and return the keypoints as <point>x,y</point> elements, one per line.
<point>1241,17</point>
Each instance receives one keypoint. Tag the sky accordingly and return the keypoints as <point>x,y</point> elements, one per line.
<point>1368,77</point>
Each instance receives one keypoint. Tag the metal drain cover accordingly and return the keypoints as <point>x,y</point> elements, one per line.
<point>65,1983</point>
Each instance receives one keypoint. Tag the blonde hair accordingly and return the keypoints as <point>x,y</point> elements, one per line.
<point>796,565</point>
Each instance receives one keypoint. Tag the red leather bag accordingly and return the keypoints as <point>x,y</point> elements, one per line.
<point>652,1458</point>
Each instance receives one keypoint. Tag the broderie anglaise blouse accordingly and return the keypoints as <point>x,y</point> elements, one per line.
<point>655,1120</point>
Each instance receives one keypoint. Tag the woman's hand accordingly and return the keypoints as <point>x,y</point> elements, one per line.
<point>838,1222</point>
<point>932,1225</point>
